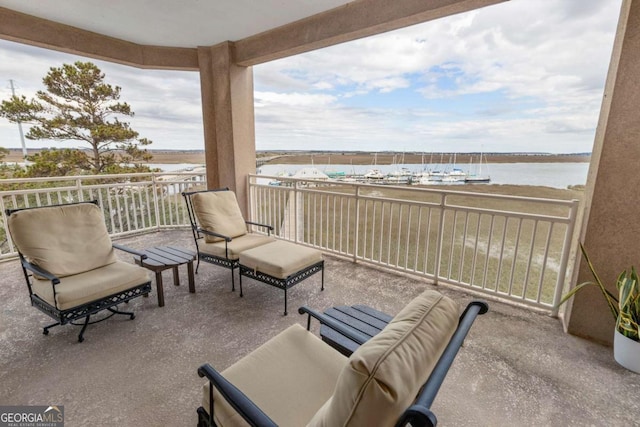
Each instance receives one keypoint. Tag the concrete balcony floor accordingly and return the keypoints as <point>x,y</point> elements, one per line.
<point>516,367</point>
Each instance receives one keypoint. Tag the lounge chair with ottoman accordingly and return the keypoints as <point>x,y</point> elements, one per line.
<point>295,379</point>
<point>221,237</point>
<point>219,230</point>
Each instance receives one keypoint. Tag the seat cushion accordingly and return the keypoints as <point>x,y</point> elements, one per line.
<point>235,247</point>
<point>93,285</point>
<point>280,259</point>
<point>383,376</point>
<point>64,240</point>
<point>289,378</point>
<point>218,211</point>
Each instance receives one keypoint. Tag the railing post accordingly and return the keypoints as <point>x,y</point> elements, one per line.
<point>299,216</point>
<point>566,251</point>
<point>443,203</point>
<point>79,189</point>
<point>357,225</point>
<point>4,224</point>
<point>155,199</point>
<point>250,204</point>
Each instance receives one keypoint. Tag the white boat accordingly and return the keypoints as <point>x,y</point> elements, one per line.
<point>311,173</point>
<point>374,174</point>
<point>478,177</point>
<point>401,176</point>
<point>430,179</point>
<point>455,175</point>
<point>450,179</point>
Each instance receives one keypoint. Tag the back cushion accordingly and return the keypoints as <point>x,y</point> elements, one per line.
<point>383,376</point>
<point>64,240</point>
<point>218,211</point>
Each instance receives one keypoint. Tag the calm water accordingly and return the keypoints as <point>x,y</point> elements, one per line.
<point>173,167</point>
<point>557,175</point>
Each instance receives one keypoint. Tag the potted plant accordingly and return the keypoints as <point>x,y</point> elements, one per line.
<point>625,308</point>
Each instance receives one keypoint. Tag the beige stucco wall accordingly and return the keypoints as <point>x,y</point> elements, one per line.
<point>611,232</point>
<point>228,116</point>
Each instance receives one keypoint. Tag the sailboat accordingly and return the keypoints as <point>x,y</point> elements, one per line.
<point>478,178</point>
<point>456,174</point>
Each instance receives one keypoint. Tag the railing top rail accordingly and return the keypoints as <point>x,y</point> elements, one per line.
<point>512,214</point>
<point>64,182</point>
<point>561,202</point>
<point>97,177</point>
<point>85,186</point>
<point>36,190</point>
<point>149,202</point>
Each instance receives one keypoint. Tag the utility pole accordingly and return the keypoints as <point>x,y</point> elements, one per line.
<point>24,147</point>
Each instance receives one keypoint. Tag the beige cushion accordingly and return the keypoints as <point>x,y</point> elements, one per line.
<point>93,285</point>
<point>218,211</point>
<point>384,375</point>
<point>280,259</point>
<point>289,378</point>
<point>64,240</point>
<point>235,247</point>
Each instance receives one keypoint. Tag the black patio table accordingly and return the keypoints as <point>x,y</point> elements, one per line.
<point>362,318</point>
<point>160,258</point>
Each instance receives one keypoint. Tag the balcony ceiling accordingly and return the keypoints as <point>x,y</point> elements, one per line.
<point>186,23</point>
<point>168,33</point>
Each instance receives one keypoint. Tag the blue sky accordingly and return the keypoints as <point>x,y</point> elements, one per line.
<point>524,75</point>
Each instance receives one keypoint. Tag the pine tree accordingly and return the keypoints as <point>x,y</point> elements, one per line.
<point>78,105</point>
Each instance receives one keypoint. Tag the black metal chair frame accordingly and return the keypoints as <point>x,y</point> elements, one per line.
<point>285,283</point>
<point>418,414</point>
<point>85,311</point>
<point>199,233</point>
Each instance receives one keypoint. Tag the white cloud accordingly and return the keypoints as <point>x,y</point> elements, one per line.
<point>552,54</point>
<point>267,99</point>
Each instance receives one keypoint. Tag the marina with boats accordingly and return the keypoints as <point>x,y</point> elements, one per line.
<point>399,173</point>
<point>524,169</point>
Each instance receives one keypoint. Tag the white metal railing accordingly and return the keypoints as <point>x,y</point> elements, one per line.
<point>131,202</point>
<point>513,247</point>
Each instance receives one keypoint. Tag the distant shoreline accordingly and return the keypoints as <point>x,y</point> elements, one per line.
<point>351,157</point>
<point>414,158</point>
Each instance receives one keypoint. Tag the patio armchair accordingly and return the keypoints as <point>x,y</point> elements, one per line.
<point>295,379</point>
<point>219,230</point>
<point>69,263</point>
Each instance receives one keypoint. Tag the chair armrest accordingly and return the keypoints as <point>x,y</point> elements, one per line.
<point>131,251</point>
<point>341,328</point>
<point>237,399</point>
<point>213,233</point>
<point>267,226</point>
<point>419,413</point>
<point>39,271</point>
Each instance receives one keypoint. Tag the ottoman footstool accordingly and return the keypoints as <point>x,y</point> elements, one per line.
<point>281,264</point>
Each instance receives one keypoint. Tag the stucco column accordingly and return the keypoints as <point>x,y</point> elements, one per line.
<point>611,229</point>
<point>229,128</point>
